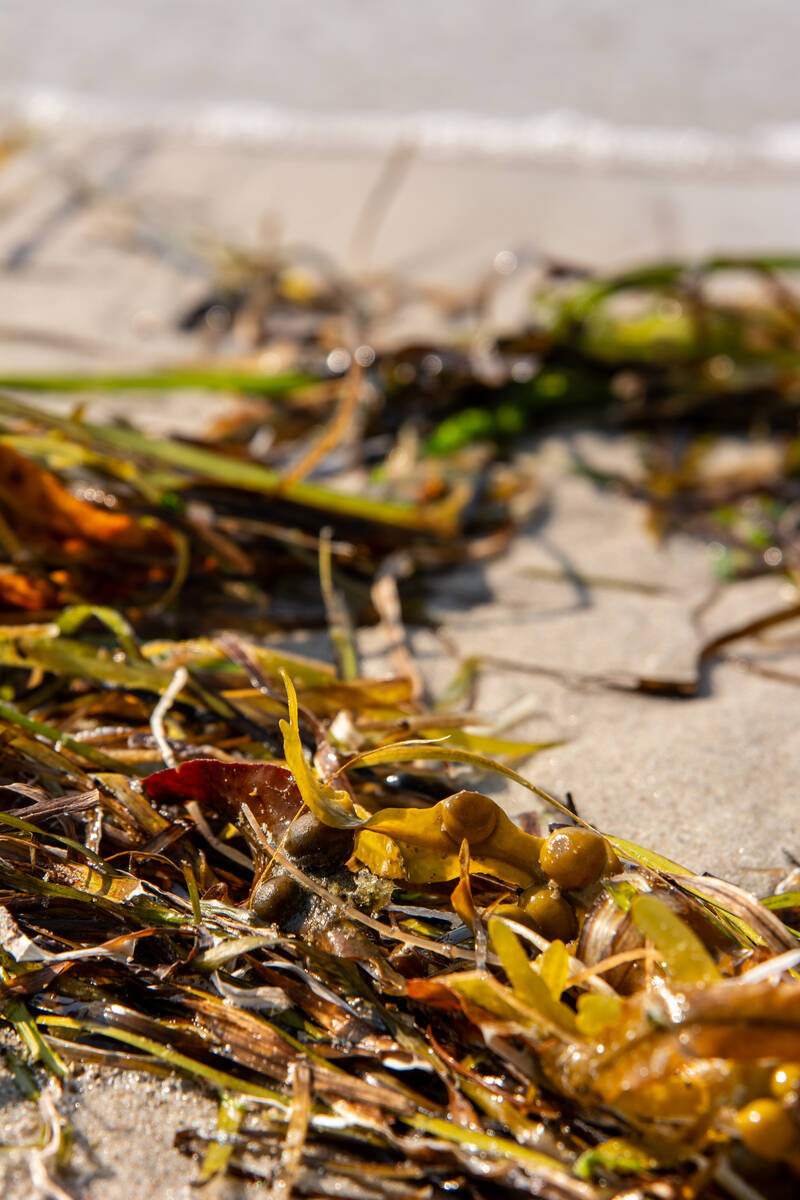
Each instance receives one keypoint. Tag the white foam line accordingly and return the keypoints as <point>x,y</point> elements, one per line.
<point>556,137</point>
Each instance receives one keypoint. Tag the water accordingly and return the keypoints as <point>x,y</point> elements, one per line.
<point>698,87</point>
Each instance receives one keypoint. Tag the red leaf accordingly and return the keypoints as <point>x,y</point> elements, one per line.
<point>269,790</point>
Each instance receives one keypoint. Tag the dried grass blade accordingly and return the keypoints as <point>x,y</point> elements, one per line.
<point>336,429</point>
<point>747,914</point>
<point>19,720</point>
<point>223,1081</point>
<point>296,1133</point>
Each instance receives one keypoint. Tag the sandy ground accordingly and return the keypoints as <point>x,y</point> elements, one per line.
<point>97,274</point>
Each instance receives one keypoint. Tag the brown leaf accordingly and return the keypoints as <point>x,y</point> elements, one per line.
<point>24,591</point>
<point>37,503</point>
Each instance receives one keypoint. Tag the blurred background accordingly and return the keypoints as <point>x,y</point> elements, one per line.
<point>599,131</point>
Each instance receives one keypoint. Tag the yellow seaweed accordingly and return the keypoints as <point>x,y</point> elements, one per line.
<point>414,845</point>
<point>685,957</point>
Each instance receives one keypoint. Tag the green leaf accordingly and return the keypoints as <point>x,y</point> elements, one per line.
<point>784,900</point>
<point>214,379</point>
<point>72,618</point>
<point>684,955</point>
<point>485,1143</point>
<point>647,858</point>
<point>222,1080</point>
<point>621,893</point>
<point>16,1012</point>
<point>441,518</point>
<point>616,1156</point>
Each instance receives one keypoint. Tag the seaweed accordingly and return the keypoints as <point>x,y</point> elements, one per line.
<point>154,942</point>
<point>285,880</point>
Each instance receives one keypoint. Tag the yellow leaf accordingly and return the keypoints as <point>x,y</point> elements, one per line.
<point>596,1013</point>
<point>444,752</point>
<point>328,804</point>
<point>528,985</point>
<point>380,855</point>
<point>554,968</point>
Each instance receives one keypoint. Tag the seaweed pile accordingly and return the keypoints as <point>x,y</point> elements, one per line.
<point>280,878</point>
<point>328,382</point>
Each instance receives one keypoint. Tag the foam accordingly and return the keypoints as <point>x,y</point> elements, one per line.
<point>552,137</point>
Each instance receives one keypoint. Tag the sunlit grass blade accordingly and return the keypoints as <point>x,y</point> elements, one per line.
<point>227,379</point>
<point>17,1014</point>
<point>200,462</point>
<point>16,719</point>
<point>229,1118</point>
<point>222,1081</point>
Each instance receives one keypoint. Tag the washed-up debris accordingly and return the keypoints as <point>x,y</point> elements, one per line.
<point>287,881</point>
